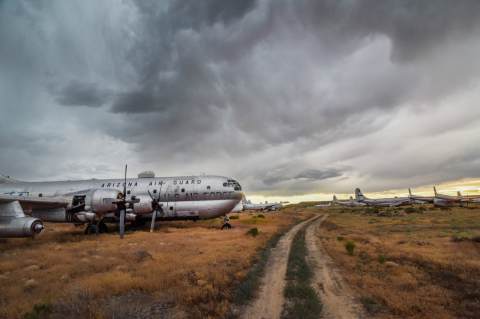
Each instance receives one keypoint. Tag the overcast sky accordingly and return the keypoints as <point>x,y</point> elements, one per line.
<point>290,97</point>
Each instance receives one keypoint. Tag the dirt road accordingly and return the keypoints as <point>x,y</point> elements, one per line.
<point>269,302</point>
<point>335,295</point>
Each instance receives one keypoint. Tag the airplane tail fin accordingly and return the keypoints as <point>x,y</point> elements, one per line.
<point>459,194</point>
<point>358,194</point>
<point>409,191</point>
<point>435,190</point>
<point>334,199</point>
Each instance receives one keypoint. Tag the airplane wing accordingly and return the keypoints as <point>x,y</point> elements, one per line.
<point>30,202</point>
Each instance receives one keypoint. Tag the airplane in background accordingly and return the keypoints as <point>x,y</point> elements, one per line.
<point>443,200</point>
<point>420,199</point>
<point>381,202</point>
<point>469,198</point>
<point>25,205</point>
<point>349,203</point>
<point>248,205</point>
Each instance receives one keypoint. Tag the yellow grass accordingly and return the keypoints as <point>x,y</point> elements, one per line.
<point>190,269</point>
<point>432,276</point>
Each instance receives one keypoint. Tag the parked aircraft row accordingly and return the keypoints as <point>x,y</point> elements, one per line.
<point>437,200</point>
<point>24,206</point>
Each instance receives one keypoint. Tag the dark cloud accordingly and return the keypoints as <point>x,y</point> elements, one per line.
<point>288,96</point>
<point>315,174</point>
<point>82,94</point>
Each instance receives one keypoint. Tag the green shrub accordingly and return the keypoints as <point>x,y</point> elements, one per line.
<point>371,305</point>
<point>253,231</point>
<point>350,247</point>
<point>260,216</point>
<point>340,238</point>
<point>41,310</point>
<point>410,210</point>
<point>382,259</point>
<point>234,217</point>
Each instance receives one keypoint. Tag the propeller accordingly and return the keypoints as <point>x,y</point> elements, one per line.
<point>122,206</point>
<point>122,203</point>
<point>156,207</point>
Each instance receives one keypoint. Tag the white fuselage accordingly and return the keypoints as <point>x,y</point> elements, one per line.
<point>182,197</point>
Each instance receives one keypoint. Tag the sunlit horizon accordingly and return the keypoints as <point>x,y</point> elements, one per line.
<point>467,186</point>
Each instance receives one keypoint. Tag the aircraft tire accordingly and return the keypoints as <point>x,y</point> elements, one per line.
<point>102,228</point>
<point>91,229</point>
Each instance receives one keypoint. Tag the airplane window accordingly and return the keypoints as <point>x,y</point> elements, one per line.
<point>183,190</point>
<point>40,195</point>
<point>154,191</point>
<point>171,207</point>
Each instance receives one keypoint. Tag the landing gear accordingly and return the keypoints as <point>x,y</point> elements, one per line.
<point>226,225</point>
<point>98,228</point>
<point>91,229</point>
<point>102,227</point>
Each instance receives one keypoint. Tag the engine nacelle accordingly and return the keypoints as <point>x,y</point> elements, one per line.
<point>20,227</point>
<point>101,201</point>
<point>144,206</point>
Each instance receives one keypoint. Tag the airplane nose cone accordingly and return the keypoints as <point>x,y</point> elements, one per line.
<point>37,228</point>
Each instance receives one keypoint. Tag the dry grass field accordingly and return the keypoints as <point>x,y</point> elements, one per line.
<point>414,264</point>
<point>183,270</point>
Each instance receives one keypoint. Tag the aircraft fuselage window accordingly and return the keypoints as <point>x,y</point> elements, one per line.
<point>183,190</point>
<point>171,207</point>
<point>154,191</point>
<point>40,195</point>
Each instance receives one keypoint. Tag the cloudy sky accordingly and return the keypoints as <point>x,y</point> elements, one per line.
<point>291,97</point>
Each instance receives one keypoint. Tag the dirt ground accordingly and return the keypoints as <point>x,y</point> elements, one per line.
<point>337,298</point>
<point>183,270</point>
<point>269,303</point>
<point>424,264</point>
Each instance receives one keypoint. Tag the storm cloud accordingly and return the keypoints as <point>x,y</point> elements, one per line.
<point>290,97</point>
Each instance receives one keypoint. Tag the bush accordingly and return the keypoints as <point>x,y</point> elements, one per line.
<point>371,305</point>
<point>234,217</point>
<point>410,210</point>
<point>350,247</point>
<point>340,238</point>
<point>253,231</point>
<point>382,259</point>
<point>260,216</point>
<point>39,311</point>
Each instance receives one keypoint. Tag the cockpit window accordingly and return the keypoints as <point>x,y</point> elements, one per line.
<point>233,183</point>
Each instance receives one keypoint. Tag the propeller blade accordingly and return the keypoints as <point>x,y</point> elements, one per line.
<point>122,223</point>
<point>151,196</point>
<point>123,208</point>
<point>152,225</point>
<point>125,184</point>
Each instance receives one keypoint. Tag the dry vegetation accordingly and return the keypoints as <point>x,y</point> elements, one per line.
<point>184,269</point>
<point>409,264</point>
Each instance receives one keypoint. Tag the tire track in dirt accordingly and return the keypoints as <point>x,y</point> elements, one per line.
<point>269,303</point>
<point>336,297</point>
